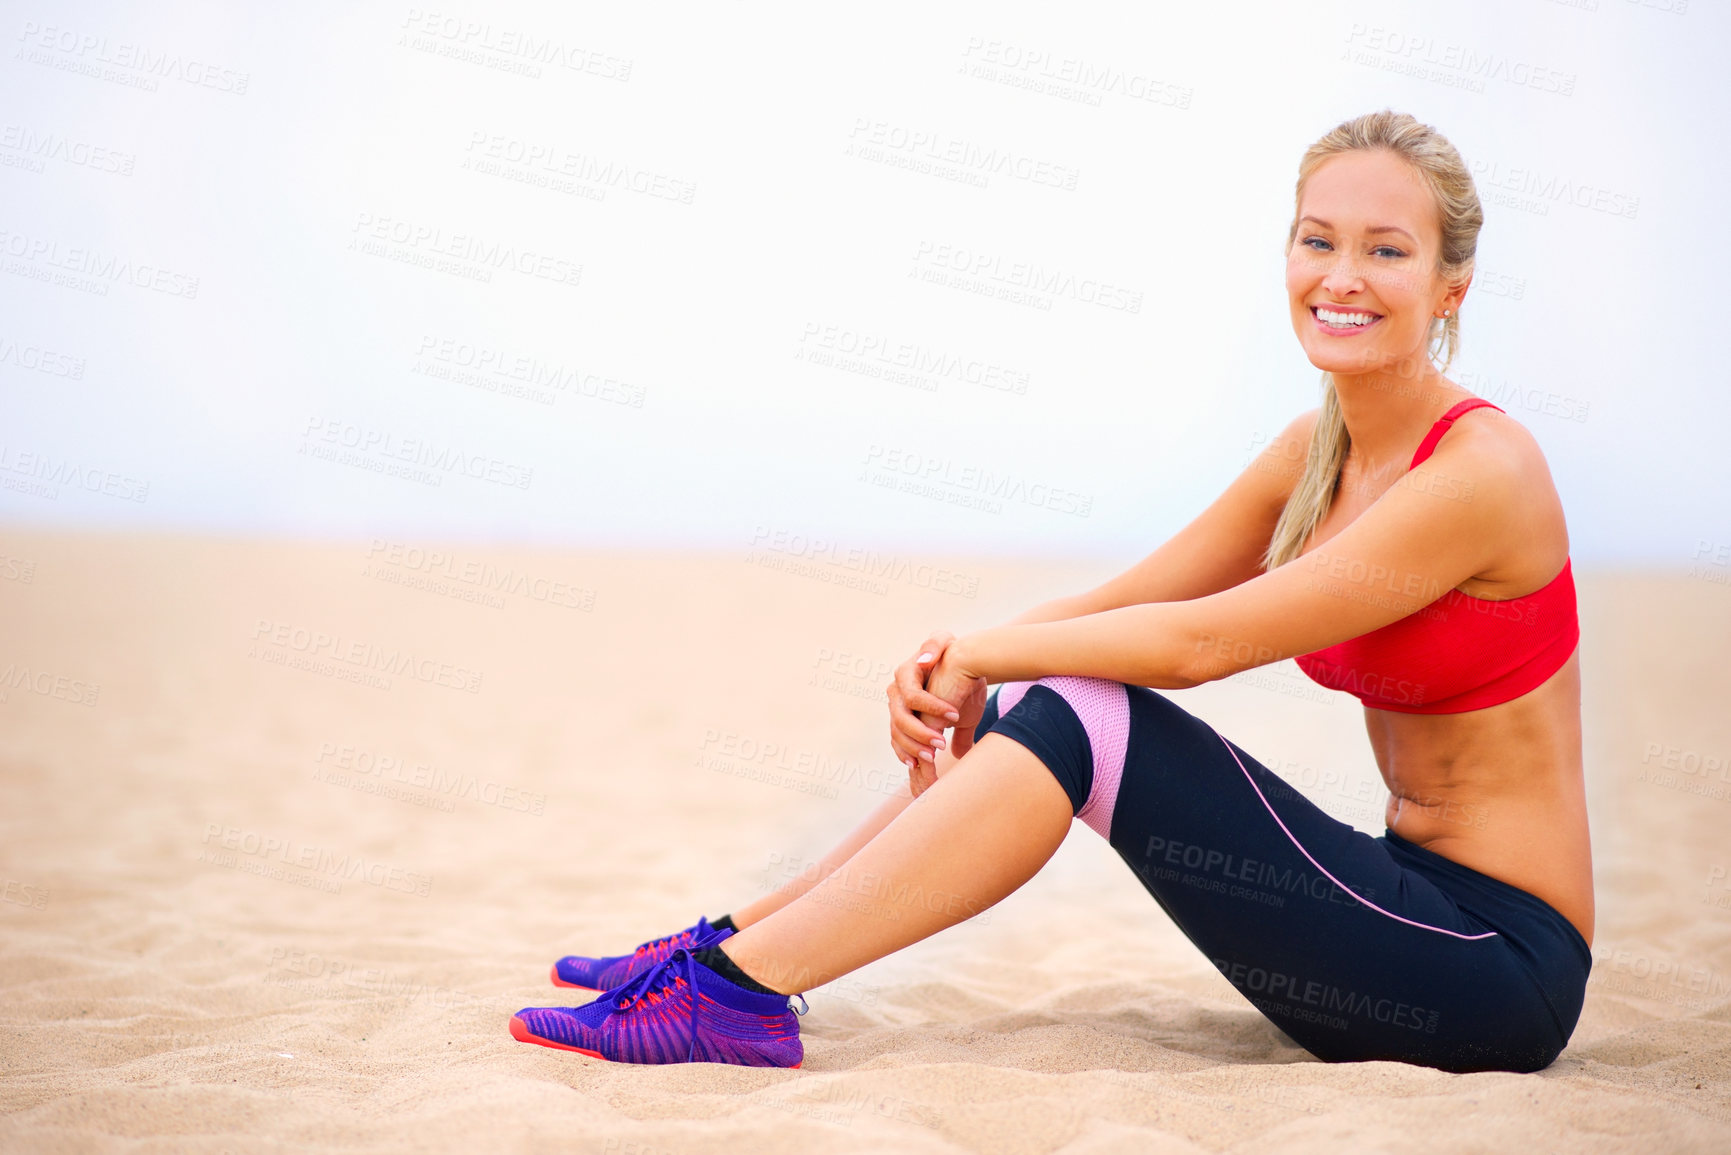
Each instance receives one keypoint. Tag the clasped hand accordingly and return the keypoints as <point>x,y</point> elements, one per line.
<point>932,692</point>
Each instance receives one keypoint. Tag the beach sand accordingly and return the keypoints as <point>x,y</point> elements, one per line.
<point>259,896</point>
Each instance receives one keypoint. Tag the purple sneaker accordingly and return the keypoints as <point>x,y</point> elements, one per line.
<point>678,1011</point>
<point>601,974</point>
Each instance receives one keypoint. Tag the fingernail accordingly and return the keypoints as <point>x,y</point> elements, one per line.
<point>927,755</point>
<point>953,716</point>
<point>923,658</point>
<point>937,743</point>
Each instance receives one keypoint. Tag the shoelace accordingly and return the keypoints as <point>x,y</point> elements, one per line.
<point>702,930</point>
<point>662,974</point>
<point>668,970</point>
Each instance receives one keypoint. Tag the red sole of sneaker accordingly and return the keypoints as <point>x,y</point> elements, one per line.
<point>520,1032</point>
<point>559,982</point>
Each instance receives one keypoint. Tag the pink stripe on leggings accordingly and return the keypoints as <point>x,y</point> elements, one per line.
<point>1324,869</point>
<point>1104,708</point>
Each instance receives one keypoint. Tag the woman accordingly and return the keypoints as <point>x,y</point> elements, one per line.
<point>1404,542</point>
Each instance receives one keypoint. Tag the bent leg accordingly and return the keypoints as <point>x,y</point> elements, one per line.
<point>981,830</point>
<point>1356,947</point>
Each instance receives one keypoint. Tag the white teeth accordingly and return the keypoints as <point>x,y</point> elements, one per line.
<point>1345,320</point>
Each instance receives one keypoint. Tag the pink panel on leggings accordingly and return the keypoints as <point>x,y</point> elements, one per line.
<point>1104,709</point>
<point>1009,694</point>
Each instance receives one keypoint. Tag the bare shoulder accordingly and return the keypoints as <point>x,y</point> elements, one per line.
<point>1499,452</point>
<point>1492,460</point>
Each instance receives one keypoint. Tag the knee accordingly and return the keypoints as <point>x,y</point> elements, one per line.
<point>1084,741</point>
<point>1103,707</point>
<point>1039,717</point>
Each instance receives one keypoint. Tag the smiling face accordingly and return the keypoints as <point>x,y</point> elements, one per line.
<point>1361,273</point>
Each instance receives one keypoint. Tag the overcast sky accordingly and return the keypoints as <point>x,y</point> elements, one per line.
<point>978,277</point>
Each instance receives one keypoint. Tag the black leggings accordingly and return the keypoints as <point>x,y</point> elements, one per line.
<point>1356,947</point>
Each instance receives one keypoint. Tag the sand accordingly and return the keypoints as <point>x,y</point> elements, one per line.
<point>609,746</point>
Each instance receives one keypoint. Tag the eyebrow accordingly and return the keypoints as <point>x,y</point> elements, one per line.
<point>1373,229</point>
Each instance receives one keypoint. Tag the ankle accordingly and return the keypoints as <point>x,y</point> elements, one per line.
<point>719,961</point>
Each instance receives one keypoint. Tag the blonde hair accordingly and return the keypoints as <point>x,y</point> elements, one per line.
<point>1457,201</point>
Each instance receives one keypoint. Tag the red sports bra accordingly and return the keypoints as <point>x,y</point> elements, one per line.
<point>1459,652</point>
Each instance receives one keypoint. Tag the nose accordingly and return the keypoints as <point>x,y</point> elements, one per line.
<point>1341,274</point>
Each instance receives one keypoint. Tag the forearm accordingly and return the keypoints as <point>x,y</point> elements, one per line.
<point>1153,645</point>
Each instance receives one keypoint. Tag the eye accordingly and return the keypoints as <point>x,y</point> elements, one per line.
<point>1389,249</point>
<point>1306,242</point>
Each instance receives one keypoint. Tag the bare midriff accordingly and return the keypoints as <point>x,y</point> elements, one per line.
<point>1499,790</point>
